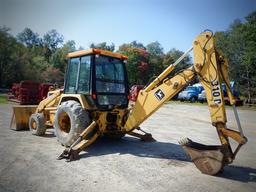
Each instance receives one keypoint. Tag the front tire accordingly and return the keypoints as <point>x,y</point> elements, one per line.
<point>70,120</point>
<point>37,124</point>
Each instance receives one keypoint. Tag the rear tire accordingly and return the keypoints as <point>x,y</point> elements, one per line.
<point>70,120</point>
<point>37,124</point>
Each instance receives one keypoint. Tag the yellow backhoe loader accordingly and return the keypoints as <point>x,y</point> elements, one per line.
<point>94,103</point>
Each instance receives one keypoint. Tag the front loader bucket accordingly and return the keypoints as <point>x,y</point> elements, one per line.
<point>20,117</point>
<point>207,158</point>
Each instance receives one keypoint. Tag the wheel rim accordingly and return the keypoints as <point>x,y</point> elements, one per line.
<point>64,123</point>
<point>33,124</point>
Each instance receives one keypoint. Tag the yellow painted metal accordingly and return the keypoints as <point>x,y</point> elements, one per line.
<point>21,114</point>
<point>20,117</point>
<point>99,121</point>
<point>148,102</point>
<point>157,80</point>
<point>166,72</point>
<point>85,143</point>
<point>234,135</point>
<point>51,116</point>
<point>82,142</point>
<point>101,117</point>
<point>64,123</point>
<point>96,51</point>
<point>224,69</point>
<point>208,67</point>
<point>211,69</point>
<point>205,62</point>
<point>79,97</point>
<point>88,129</point>
<point>223,138</point>
<point>50,101</point>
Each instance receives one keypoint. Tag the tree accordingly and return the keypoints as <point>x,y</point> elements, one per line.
<point>28,56</point>
<point>238,45</point>
<point>51,41</point>
<point>59,57</point>
<point>137,65</point>
<point>80,48</point>
<point>156,56</point>
<point>144,63</point>
<point>11,58</point>
<point>29,38</point>
<point>171,56</point>
<point>53,75</point>
<point>155,48</point>
<point>103,46</point>
<point>136,44</point>
<point>249,58</point>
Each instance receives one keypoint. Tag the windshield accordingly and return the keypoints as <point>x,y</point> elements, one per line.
<point>78,75</point>
<point>70,86</point>
<point>110,81</point>
<point>109,75</point>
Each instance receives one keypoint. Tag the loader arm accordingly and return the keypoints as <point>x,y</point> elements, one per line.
<point>49,101</point>
<point>211,69</point>
<point>21,114</point>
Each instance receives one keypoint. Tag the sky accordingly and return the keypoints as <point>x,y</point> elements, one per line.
<point>173,23</point>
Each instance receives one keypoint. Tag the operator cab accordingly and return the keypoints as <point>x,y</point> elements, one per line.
<point>100,76</point>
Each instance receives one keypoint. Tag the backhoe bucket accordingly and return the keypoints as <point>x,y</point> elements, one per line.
<point>20,117</point>
<point>207,158</point>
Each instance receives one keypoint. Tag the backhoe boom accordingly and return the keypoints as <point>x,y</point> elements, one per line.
<point>211,69</point>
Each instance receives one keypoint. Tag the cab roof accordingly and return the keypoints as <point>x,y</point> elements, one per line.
<point>96,52</point>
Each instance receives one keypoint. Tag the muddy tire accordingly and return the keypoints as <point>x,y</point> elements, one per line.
<point>37,124</point>
<point>70,120</point>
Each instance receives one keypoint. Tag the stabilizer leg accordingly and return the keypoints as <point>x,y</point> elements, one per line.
<point>86,138</point>
<point>147,137</point>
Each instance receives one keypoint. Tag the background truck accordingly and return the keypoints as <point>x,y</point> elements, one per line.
<point>189,94</point>
<point>202,97</point>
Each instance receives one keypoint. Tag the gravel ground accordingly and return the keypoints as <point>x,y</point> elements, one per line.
<point>28,163</point>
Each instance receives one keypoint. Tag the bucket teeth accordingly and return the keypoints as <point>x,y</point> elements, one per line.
<point>184,141</point>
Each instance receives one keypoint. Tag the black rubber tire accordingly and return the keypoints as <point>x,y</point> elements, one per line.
<point>77,119</point>
<point>193,100</point>
<point>39,127</point>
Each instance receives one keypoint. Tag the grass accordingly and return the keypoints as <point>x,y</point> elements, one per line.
<point>3,99</point>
